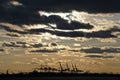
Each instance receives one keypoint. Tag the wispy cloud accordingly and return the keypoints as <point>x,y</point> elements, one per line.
<point>99,56</point>
<point>1,49</point>
<point>12,28</point>
<point>19,62</point>
<point>101,50</point>
<point>82,39</point>
<point>107,40</point>
<point>45,50</point>
<point>52,48</point>
<point>12,34</point>
<point>22,44</point>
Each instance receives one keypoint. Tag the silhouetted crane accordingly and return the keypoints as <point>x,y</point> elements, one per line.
<point>61,68</point>
<point>76,69</point>
<point>73,68</point>
<point>68,69</point>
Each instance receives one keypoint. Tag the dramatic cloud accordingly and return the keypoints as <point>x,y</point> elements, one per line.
<point>26,11</point>
<point>53,31</point>
<point>21,14</point>
<point>97,34</point>
<point>60,23</point>
<point>64,25</point>
<point>61,30</point>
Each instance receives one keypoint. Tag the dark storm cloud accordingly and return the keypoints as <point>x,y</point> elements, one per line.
<point>17,14</point>
<point>99,56</point>
<point>97,34</point>
<point>99,50</point>
<point>63,24</point>
<point>67,5</point>
<point>38,31</point>
<point>58,33</point>
<point>104,33</point>
<point>20,16</point>
<point>27,13</point>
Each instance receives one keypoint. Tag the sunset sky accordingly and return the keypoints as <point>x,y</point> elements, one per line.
<point>39,32</point>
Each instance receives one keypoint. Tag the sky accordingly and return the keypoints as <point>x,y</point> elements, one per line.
<point>36,32</point>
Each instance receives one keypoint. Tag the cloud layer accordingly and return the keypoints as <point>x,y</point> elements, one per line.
<point>26,12</point>
<point>95,34</point>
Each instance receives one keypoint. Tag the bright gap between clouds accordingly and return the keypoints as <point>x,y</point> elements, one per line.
<point>70,16</point>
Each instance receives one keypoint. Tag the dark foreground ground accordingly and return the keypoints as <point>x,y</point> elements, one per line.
<point>59,76</point>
